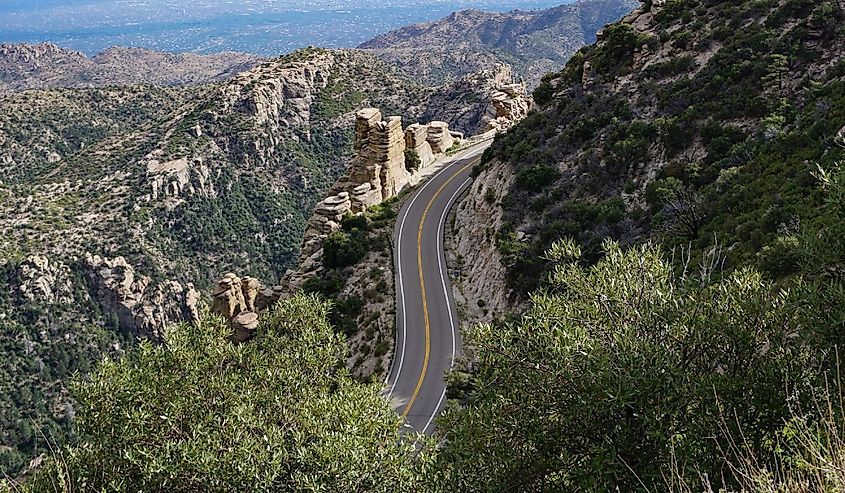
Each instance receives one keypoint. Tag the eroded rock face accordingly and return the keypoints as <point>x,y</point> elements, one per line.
<point>481,289</point>
<point>46,281</point>
<point>179,177</point>
<point>379,159</point>
<point>416,139</point>
<point>503,100</point>
<point>285,95</point>
<point>141,306</point>
<point>509,105</point>
<point>439,137</point>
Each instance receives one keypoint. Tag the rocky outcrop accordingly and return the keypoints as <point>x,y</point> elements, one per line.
<point>179,177</point>
<point>379,158</point>
<point>416,140</point>
<point>502,99</point>
<point>141,306</point>
<point>280,95</point>
<point>439,137</point>
<point>509,105</point>
<point>45,280</point>
<point>377,173</point>
<point>239,300</point>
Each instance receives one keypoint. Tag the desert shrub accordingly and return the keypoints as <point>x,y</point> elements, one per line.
<point>537,177</point>
<point>351,222</point>
<point>619,370</point>
<point>412,160</point>
<point>341,249</point>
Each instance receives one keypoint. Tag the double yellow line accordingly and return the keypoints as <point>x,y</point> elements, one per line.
<point>422,289</point>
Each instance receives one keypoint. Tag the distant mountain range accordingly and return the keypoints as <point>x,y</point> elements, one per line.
<point>533,42</point>
<point>26,66</point>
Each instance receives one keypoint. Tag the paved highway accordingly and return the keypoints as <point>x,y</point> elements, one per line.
<point>428,338</point>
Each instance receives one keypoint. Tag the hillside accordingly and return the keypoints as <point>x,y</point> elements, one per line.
<point>121,205</point>
<point>533,42</point>
<point>43,66</point>
<point>693,124</point>
<point>667,226</point>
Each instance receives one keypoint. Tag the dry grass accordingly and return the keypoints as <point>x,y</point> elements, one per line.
<point>810,457</point>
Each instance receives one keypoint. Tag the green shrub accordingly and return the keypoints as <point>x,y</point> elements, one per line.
<point>344,314</point>
<point>620,371</point>
<point>341,249</point>
<point>412,160</point>
<point>200,413</point>
<point>619,43</point>
<point>327,285</point>
<point>537,177</point>
<point>351,222</point>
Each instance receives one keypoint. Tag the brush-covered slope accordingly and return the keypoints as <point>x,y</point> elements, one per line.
<point>533,42</point>
<point>697,123</point>
<point>701,353</point>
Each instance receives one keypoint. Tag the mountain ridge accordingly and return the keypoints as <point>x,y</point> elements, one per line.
<point>45,65</point>
<point>534,42</point>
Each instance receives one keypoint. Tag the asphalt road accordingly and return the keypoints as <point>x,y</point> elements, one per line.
<point>428,338</point>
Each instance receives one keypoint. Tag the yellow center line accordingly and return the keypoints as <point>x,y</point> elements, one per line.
<point>422,288</point>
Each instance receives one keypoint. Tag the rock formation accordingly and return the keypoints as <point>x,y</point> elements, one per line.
<point>502,98</point>
<point>509,105</point>
<point>178,177</point>
<point>379,158</point>
<point>47,281</point>
<point>416,140</point>
<point>377,173</point>
<point>239,300</point>
<point>141,306</point>
<point>439,137</point>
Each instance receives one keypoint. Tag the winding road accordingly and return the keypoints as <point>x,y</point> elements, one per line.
<point>428,339</point>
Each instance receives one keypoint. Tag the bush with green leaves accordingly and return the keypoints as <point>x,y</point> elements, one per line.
<point>621,370</point>
<point>412,160</point>
<point>278,413</point>
<point>341,249</point>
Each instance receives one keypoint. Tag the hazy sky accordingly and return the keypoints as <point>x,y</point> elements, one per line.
<point>261,26</point>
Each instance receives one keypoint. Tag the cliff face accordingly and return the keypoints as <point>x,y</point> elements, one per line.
<point>533,42</point>
<point>480,288</point>
<point>491,99</point>
<point>44,66</point>
<point>140,306</point>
